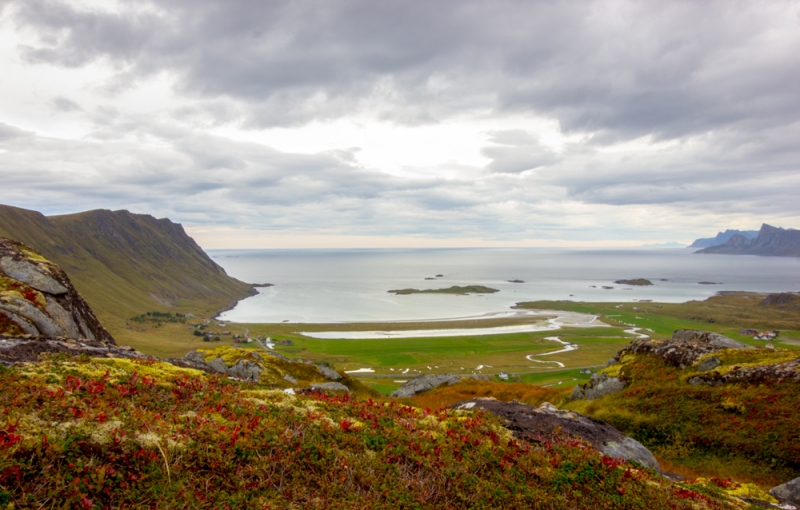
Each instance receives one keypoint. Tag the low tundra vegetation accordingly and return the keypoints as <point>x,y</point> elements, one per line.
<point>106,433</point>
<point>745,430</point>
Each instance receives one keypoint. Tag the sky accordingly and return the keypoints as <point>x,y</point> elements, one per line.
<point>385,123</point>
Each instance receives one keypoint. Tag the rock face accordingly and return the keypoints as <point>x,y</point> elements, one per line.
<point>427,382</point>
<point>543,422</point>
<point>788,492</point>
<point>38,299</point>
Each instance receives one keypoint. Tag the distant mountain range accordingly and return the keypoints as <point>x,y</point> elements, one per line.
<point>770,241</point>
<point>125,264</point>
<point>722,238</point>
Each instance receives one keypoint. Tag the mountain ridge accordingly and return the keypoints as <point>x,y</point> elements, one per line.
<point>125,263</point>
<point>771,241</point>
<point>722,238</point>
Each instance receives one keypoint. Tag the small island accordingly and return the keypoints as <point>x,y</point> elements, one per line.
<point>455,289</point>
<point>515,281</point>
<point>708,283</point>
<point>262,285</point>
<point>641,282</point>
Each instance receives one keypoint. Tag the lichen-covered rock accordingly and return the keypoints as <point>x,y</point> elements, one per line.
<point>37,298</point>
<point>540,423</point>
<point>288,378</point>
<point>788,492</point>
<point>328,373</point>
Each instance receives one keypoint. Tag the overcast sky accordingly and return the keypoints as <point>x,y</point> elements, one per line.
<point>406,123</point>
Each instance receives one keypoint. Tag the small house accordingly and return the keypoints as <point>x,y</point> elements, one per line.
<point>503,376</point>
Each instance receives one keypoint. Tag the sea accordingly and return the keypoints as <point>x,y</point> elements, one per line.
<point>351,285</point>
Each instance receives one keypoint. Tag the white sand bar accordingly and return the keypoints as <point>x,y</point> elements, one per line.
<point>560,319</point>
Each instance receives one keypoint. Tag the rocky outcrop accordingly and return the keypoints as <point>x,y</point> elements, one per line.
<point>546,421</point>
<point>770,372</point>
<point>28,348</point>
<point>38,299</point>
<point>788,492</point>
<point>685,347</point>
<point>427,382</point>
<point>598,386</point>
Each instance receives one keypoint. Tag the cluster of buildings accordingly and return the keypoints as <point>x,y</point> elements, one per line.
<point>759,335</point>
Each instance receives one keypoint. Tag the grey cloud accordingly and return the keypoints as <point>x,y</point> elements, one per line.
<point>66,105</point>
<point>621,69</point>
<point>8,132</point>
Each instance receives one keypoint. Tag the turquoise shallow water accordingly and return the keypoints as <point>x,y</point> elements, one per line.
<point>351,285</point>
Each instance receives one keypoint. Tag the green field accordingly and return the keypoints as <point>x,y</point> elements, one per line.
<point>463,354</point>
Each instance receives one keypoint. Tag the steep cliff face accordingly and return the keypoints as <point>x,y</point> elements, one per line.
<point>771,241</point>
<point>38,299</point>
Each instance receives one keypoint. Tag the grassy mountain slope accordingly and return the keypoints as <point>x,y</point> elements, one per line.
<point>125,264</point>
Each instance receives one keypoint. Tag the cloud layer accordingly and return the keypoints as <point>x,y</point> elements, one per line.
<point>596,120</point>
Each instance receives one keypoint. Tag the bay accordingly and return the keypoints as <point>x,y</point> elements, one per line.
<point>341,285</point>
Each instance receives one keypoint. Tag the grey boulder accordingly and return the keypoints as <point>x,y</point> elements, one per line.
<point>422,383</point>
<point>328,373</point>
<point>540,423</point>
<point>788,492</point>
